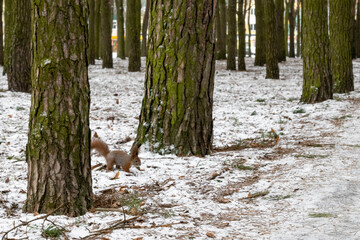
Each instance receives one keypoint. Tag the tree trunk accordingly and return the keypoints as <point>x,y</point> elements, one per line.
<point>133,34</point>
<point>286,28</point>
<point>241,31</point>
<point>176,114</point>
<point>340,45</point>
<point>249,25</point>
<point>298,41</point>
<point>317,85</point>
<point>106,27</point>
<point>58,148</point>
<point>1,35</point>
<point>145,28</point>
<point>221,41</point>
<point>357,27</point>
<point>260,57</point>
<point>19,69</point>
<point>120,29</point>
<point>279,21</point>
<point>92,31</point>
<point>9,16</point>
<point>292,16</point>
<point>353,29</point>
<point>97,29</point>
<point>272,68</point>
<point>231,36</point>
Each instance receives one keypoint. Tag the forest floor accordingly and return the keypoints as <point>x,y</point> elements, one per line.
<point>280,169</point>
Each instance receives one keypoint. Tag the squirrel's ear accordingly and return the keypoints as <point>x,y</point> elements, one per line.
<point>96,135</point>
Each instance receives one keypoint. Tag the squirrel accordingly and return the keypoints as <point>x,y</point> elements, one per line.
<point>118,158</point>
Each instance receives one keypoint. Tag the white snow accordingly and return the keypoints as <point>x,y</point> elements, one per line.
<point>311,175</point>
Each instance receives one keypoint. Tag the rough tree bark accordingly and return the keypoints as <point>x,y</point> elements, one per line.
<point>317,83</point>
<point>231,36</point>
<point>272,68</point>
<point>19,69</point>
<point>260,56</point>
<point>241,32</point>
<point>340,45</point>
<point>106,27</point>
<point>176,113</point>
<point>133,23</point>
<point>58,148</point>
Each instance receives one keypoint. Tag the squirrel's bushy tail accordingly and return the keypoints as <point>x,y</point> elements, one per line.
<point>100,146</point>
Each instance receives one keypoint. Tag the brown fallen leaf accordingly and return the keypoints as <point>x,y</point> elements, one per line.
<point>211,235</point>
<point>116,176</point>
<point>97,165</point>
<point>224,200</point>
<point>117,101</point>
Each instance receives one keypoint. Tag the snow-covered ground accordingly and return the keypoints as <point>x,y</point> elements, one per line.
<point>304,187</point>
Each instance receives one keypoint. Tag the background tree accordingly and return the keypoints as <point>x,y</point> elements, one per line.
<point>298,26</point>
<point>279,28</point>
<point>221,36</point>
<point>340,45</point>
<point>97,29</point>
<point>353,29</point>
<point>9,16</point>
<point>231,36</point>
<point>120,29</point>
<point>260,57</point>
<point>19,69</point>
<point>249,27</point>
<point>133,22</point>
<point>58,148</point>
<point>357,31</point>
<point>272,68</point>
<point>292,17</point>
<point>1,35</point>
<point>317,84</point>
<point>176,113</point>
<point>286,27</point>
<point>241,32</point>
<point>106,28</point>
<point>92,14</point>
<point>144,28</point>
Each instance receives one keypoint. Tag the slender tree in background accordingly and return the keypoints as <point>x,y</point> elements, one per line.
<point>145,28</point>
<point>353,29</point>
<point>58,148</point>
<point>317,83</point>
<point>19,69</point>
<point>249,27</point>
<point>292,18</point>
<point>9,16</point>
<point>133,23</point>
<point>97,29</point>
<point>298,26</point>
<point>221,39</point>
<point>241,32</point>
<point>176,114</point>
<point>231,36</point>
<point>357,36</point>
<point>260,57</point>
<point>106,27</point>
<point>340,45</point>
<point>120,29</point>
<point>286,27</point>
<point>1,35</point>
<point>92,14</point>
<point>279,28</point>
<point>272,68</point>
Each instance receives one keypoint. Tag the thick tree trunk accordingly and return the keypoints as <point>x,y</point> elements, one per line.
<point>279,21</point>
<point>92,32</point>
<point>317,85</point>
<point>176,113</point>
<point>120,29</point>
<point>260,57</point>
<point>106,27</point>
<point>221,39</point>
<point>19,69</point>
<point>340,45</point>
<point>145,28</point>
<point>133,22</point>
<point>97,29</point>
<point>272,68</point>
<point>1,35</point>
<point>241,32</point>
<point>298,41</point>
<point>292,16</point>
<point>9,17</point>
<point>58,149</point>
<point>231,36</point>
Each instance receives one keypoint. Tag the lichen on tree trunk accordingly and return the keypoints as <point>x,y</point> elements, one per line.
<point>58,148</point>
<point>176,113</point>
